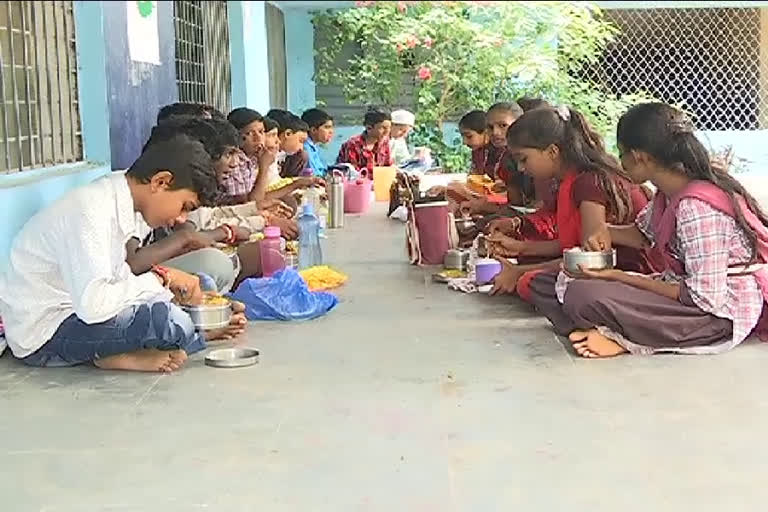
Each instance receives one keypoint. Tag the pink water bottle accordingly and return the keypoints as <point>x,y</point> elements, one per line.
<point>272,251</point>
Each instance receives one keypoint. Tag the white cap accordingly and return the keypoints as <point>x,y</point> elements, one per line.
<point>403,117</point>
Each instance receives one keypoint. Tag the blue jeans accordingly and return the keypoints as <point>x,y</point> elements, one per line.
<point>160,325</point>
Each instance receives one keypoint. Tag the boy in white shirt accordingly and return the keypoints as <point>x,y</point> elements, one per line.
<point>69,297</point>
<point>402,124</point>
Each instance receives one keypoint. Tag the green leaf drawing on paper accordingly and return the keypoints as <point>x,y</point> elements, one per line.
<point>145,8</point>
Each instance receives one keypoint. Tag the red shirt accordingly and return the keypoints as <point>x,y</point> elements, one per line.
<point>587,187</point>
<point>354,152</point>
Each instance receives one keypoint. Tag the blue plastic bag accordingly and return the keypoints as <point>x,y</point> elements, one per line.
<point>284,296</point>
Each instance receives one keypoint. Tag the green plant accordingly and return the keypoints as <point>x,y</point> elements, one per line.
<point>459,56</point>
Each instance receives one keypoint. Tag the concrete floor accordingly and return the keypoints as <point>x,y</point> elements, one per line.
<point>407,397</point>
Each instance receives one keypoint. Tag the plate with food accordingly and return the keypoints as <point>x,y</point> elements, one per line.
<point>446,275</point>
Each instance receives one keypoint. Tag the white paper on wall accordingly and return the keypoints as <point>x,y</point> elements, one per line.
<point>143,39</point>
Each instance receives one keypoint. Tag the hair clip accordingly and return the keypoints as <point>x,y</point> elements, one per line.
<point>563,112</point>
<point>682,126</point>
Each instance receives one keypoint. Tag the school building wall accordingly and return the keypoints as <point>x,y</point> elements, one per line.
<point>119,100</point>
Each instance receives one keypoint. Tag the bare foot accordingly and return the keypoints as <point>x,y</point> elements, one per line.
<point>176,360</point>
<point>592,345</point>
<point>145,360</point>
<point>235,328</point>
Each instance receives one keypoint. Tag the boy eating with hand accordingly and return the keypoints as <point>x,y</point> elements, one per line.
<point>69,297</point>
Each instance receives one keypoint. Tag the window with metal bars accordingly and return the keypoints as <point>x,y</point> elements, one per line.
<point>203,72</point>
<point>40,117</point>
<point>708,60</point>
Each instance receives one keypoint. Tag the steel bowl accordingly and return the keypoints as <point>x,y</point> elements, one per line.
<point>232,357</point>
<point>208,317</point>
<point>574,259</point>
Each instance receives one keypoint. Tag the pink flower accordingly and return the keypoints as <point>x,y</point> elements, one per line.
<point>428,42</point>
<point>399,47</point>
<point>425,73</point>
<point>411,42</point>
<point>401,6</point>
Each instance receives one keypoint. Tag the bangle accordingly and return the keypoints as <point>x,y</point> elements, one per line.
<point>163,274</point>
<point>230,237</point>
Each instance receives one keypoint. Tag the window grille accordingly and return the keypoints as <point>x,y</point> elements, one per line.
<point>40,123</point>
<point>203,73</point>
<point>708,60</point>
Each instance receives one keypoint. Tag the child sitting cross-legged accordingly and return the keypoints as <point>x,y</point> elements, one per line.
<point>254,179</point>
<point>710,235</point>
<point>190,246</point>
<point>68,296</point>
<point>593,191</point>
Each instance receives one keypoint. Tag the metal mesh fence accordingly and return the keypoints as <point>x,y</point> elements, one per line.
<point>711,61</point>
<point>203,73</point>
<point>39,115</point>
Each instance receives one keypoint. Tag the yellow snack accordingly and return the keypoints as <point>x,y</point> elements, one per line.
<point>480,184</point>
<point>322,277</point>
<point>282,182</point>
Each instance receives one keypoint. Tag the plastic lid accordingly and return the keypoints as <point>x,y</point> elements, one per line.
<point>272,232</point>
<point>306,209</point>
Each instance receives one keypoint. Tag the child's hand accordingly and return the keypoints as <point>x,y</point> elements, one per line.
<point>600,240</point>
<point>504,246</point>
<point>185,287</point>
<point>505,226</point>
<point>242,234</point>
<point>266,159</point>
<point>506,281</point>
<point>289,228</point>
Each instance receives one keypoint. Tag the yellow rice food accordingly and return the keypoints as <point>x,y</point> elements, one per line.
<point>322,277</point>
<point>215,300</point>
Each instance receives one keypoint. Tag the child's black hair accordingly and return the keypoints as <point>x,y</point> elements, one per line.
<point>243,116</point>
<point>527,103</point>
<point>667,135</point>
<point>315,117</point>
<point>270,124</point>
<point>509,107</point>
<point>188,109</point>
<point>293,123</point>
<point>216,135</point>
<point>474,120</point>
<point>279,115</point>
<point>580,147</point>
<point>376,116</point>
<point>186,159</point>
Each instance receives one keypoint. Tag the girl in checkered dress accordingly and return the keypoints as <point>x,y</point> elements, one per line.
<point>708,231</point>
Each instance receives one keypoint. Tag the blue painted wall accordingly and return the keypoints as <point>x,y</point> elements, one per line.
<point>136,89</point>
<point>248,55</point>
<point>23,194</point>
<point>299,59</point>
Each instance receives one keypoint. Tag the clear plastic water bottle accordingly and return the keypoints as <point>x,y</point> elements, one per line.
<point>310,252</point>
